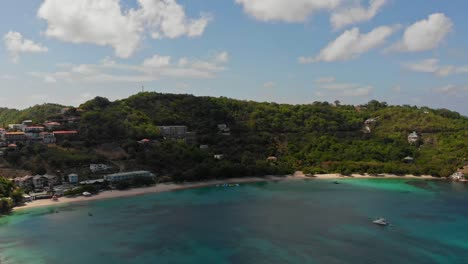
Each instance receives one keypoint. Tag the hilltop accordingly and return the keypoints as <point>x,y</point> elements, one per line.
<point>226,137</point>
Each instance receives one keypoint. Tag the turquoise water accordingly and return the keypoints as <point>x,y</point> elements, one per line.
<point>312,221</point>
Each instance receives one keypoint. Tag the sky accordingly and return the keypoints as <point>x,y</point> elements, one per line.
<point>295,51</point>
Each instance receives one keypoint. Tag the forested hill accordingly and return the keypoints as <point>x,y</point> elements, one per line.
<point>316,138</point>
<point>38,113</point>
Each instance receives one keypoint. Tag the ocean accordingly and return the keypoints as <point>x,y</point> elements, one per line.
<point>310,221</point>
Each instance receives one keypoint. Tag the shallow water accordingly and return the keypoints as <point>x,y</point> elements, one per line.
<point>313,221</point>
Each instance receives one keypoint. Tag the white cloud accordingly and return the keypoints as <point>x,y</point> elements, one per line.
<point>452,89</point>
<point>269,85</point>
<point>222,57</point>
<point>103,22</point>
<point>292,11</point>
<point>157,61</point>
<point>151,69</point>
<point>330,88</point>
<point>16,44</point>
<point>7,77</point>
<point>351,44</point>
<point>432,66</point>
<point>424,35</point>
<point>354,15</point>
<point>329,79</point>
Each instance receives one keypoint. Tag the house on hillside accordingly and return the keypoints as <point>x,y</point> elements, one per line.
<point>65,135</point>
<point>370,121</point>
<point>48,138</point>
<point>25,182</point>
<point>224,129</point>
<point>15,127</point>
<point>33,129</point>
<point>178,133</point>
<point>99,167</point>
<point>173,132</point>
<point>14,137</point>
<point>408,159</point>
<point>413,137</point>
<point>52,125</point>
<point>272,159</point>
<point>218,156</point>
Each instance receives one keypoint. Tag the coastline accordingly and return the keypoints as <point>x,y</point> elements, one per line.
<point>167,187</point>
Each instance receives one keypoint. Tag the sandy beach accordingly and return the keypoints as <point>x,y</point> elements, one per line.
<point>166,187</point>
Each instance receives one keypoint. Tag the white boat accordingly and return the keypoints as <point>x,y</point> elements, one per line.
<point>87,194</point>
<point>381,221</point>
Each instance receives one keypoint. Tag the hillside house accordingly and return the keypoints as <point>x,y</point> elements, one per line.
<point>99,167</point>
<point>408,159</point>
<point>52,125</point>
<point>33,129</point>
<point>370,121</point>
<point>48,138</point>
<point>173,132</point>
<point>218,156</point>
<point>14,137</point>
<point>224,129</point>
<point>25,182</point>
<point>272,159</point>
<point>413,137</point>
<point>15,127</point>
<point>65,135</point>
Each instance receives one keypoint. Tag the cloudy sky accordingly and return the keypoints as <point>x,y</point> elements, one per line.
<point>296,51</point>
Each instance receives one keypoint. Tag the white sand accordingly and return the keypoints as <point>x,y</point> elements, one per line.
<point>165,187</point>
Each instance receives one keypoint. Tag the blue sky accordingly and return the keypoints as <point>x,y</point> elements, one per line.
<point>295,51</point>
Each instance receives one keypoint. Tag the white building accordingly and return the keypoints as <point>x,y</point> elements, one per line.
<point>413,137</point>
<point>457,176</point>
<point>127,175</point>
<point>99,167</point>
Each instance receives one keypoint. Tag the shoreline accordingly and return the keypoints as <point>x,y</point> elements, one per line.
<point>167,187</point>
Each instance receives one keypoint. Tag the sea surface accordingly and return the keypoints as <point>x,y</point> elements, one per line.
<point>310,221</point>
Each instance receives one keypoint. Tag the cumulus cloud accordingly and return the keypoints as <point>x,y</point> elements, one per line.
<point>424,35</point>
<point>351,44</point>
<point>269,85</point>
<point>329,87</point>
<point>292,11</point>
<point>329,79</point>
<point>105,23</point>
<point>354,15</point>
<point>16,44</point>
<point>452,89</point>
<point>432,66</point>
<point>151,69</point>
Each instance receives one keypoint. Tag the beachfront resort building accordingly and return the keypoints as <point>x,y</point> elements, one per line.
<point>127,175</point>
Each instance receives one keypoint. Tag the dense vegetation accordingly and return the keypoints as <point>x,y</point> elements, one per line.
<point>9,196</point>
<point>316,138</point>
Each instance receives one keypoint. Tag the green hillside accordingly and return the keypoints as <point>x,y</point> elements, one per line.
<point>316,138</point>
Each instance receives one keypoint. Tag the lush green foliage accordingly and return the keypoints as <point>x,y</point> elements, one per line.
<point>316,138</point>
<point>9,196</point>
